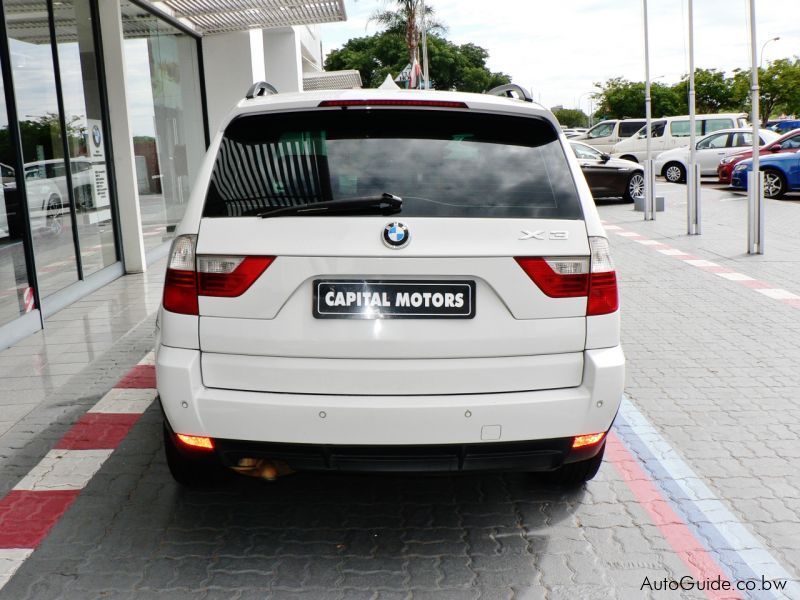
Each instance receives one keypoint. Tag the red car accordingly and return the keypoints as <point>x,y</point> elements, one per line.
<point>789,142</point>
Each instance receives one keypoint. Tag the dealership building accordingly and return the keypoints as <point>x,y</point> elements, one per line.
<point>106,109</point>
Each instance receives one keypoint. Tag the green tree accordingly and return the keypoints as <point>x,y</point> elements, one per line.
<point>713,92</point>
<point>571,117</point>
<point>619,98</point>
<point>779,88</point>
<point>406,19</point>
<point>453,67</point>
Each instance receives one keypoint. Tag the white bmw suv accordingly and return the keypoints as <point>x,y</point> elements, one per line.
<point>371,280</point>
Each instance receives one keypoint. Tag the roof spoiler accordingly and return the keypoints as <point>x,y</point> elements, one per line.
<point>511,90</point>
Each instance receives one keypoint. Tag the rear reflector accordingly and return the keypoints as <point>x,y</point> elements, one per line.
<point>196,441</point>
<point>229,276</point>
<point>592,439</point>
<point>387,102</point>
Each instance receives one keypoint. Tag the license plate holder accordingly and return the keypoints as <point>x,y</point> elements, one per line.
<point>393,299</point>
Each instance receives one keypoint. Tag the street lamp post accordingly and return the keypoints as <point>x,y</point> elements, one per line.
<point>649,174</point>
<point>590,104</point>
<point>755,182</point>
<point>764,45</point>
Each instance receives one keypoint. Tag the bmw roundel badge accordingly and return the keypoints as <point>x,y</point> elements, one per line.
<point>396,235</point>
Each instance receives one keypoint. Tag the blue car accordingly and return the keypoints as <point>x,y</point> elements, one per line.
<point>781,174</point>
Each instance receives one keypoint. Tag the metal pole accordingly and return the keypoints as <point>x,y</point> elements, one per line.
<point>693,173</point>
<point>755,189</point>
<point>425,74</point>
<point>649,179</point>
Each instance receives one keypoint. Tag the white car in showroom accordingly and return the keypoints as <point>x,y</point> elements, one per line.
<point>387,280</point>
<point>710,150</point>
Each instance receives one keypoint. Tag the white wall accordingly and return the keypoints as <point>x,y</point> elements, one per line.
<point>229,72</point>
<point>282,59</point>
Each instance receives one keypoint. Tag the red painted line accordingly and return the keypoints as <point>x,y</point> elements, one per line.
<point>26,517</point>
<point>140,376</point>
<point>689,549</point>
<point>98,431</point>
<point>792,302</point>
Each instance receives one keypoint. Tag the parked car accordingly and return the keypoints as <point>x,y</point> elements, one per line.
<point>781,174</point>
<point>572,132</point>
<point>673,132</point>
<point>394,280</point>
<point>789,142</point>
<point>605,134</point>
<point>785,125</point>
<point>609,177</point>
<point>673,164</point>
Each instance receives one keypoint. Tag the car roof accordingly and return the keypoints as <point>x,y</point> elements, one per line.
<point>308,100</point>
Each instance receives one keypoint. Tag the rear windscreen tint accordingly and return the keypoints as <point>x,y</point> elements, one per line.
<point>442,163</point>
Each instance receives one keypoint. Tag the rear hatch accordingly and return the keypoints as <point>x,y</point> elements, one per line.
<point>434,298</point>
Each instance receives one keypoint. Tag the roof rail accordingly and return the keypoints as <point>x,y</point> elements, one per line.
<point>508,91</point>
<point>260,88</point>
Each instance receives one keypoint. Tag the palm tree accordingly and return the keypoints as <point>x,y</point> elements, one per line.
<point>406,19</point>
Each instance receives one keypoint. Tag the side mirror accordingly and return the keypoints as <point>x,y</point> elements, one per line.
<point>605,157</point>
<point>775,149</point>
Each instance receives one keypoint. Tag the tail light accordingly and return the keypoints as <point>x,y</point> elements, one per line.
<point>229,276</point>
<point>565,277</point>
<point>180,285</point>
<point>603,298</point>
<point>190,276</point>
<point>574,277</point>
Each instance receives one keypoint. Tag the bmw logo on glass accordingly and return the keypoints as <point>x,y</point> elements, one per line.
<point>396,235</point>
<point>96,137</point>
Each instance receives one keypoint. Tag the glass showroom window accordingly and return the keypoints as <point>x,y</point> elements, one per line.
<point>45,170</point>
<point>83,114</point>
<point>165,107</point>
<point>16,296</point>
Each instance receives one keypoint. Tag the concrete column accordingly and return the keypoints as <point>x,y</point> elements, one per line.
<point>282,60</point>
<point>229,72</point>
<point>121,139</point>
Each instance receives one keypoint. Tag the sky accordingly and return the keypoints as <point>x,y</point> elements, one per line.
<point>560,48</point>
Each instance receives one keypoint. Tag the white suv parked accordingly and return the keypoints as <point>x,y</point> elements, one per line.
<point>389,280</point>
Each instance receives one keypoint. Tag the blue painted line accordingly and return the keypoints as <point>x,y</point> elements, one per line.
<point>739,553</point>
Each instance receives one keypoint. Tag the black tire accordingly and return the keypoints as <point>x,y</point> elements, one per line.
<point>187,470</point>
<point>674,172</point>
<point>634,188</point>
<point>575,474</point>
<point>774,184</point>
<point>629,157</point>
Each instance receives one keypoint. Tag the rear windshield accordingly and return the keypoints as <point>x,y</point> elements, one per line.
<point>442,163</point>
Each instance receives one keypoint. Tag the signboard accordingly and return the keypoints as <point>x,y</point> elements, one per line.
<point>97,156</point>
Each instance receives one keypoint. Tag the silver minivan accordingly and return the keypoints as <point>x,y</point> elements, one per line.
<point>607,133</point>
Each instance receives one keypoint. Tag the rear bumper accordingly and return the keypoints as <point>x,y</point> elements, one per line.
<point>421,420</point>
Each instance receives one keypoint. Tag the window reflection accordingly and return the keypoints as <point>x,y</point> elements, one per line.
<point>16,297</point>
<point>83,113</point>
<point>163,86</point>
<point>42,144</point>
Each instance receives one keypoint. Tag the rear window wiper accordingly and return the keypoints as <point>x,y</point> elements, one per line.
<point>385,204</point>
